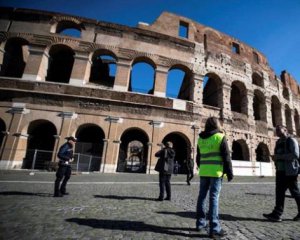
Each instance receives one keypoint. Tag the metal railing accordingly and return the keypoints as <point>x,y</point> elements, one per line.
<point>44,160</point>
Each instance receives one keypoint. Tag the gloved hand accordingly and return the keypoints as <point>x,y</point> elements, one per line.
<point>229,177</point>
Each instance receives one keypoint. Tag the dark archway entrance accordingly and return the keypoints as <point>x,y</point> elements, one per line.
<point>40,144</point>
<point>240,150</point>
<point>262,153</point>
<point>133,151</point>
<point>182,148</point>
<point>89,147</point>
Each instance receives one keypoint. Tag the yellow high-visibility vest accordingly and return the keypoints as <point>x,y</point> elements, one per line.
<point>211,162</point>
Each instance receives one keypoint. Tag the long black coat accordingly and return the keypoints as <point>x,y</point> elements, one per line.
<point>165,163</point>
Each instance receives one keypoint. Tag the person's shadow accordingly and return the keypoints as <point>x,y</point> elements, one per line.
<point>135,226</point>
<point>224,217</point>
<point>123,197</point>
<point>18,193</point>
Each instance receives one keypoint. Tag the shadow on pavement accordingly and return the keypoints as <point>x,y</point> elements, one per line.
<point>266,195</point>
<point>136,226</point>
<point>224,217</point>
<point>123,197</point>
<point>25,194</point>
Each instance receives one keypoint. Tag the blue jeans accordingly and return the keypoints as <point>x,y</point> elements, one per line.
<point>213,185</point>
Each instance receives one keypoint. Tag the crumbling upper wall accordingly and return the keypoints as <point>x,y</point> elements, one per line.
<point>288,80</point>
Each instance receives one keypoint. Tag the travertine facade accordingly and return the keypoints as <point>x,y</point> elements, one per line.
<point>53,85</point>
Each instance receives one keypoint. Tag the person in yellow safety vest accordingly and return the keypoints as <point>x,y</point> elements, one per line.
<point>213,161</point>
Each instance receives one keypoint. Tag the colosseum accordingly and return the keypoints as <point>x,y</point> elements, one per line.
<point>55,84</point>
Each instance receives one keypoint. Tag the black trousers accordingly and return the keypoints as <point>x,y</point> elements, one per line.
<point>63,173</point>
<point>189,176</point>
<point>164,182</point>
<point>282,184</point>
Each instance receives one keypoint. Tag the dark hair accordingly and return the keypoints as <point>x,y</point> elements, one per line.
<point>212,123</point>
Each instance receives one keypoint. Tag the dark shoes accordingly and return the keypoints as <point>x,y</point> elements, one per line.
<point>58,195</point>
<point>159,199</point>
<point>217,235</point>
<point>273,217</point>
<point>297,218</point>
<point>167,199</point>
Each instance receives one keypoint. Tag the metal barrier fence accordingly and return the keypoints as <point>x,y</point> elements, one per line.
<point>43,160</point>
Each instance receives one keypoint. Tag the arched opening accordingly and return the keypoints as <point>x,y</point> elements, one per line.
<point>40,144</point>
<point>69,28</point>
<point>212,90</point>
<point>60,64</point>
<point>15,58</point>
<point>182,148</point>
<point>179,83</point>
<point>89,147</point>
<point>276,111</point>
<point>133,151</point>
<point>103,70</point>
<point>240,150</point>
<point>257,79</point>
<point>238,97</point>
<point>142,77</point>
<point>285,93</point>
<point>297,122</point>
<point>288,118</point>
<point>259,106</point>
<point>262,153</point>
<point>2,131</point>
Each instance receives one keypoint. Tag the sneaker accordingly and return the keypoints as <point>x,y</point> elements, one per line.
<point>201,229</point>
<point>220,234</point>
<point>297,218</point>
<point>272,217</point>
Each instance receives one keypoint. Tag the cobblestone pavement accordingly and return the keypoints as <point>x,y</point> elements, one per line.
<point>122,206</point>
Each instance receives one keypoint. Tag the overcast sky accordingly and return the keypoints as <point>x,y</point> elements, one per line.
<point>270,26</point>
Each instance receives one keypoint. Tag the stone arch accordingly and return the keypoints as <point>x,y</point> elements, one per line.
<point>89,147</point>
<point>182,148</point>
<point>238,97</point>
<point>103,68</point>
<point>212,90</point>
<point>40,144</point>
<point>259,106</point>
<point>240,150</point>
<point>285,93</point>
<point>257,79</point>
<point>296,120</point>
<point>288,118</point>
<point>262,153</point>
<point>276,111</point>
<point>15,57</point>
<point>133,152</point>
<point>60,63</point>
<point>63,26</point>
<point>142,75</point>
<point>181,76</point>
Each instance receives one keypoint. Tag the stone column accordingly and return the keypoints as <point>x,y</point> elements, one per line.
<point>122,75</point>
<point>293,122</point>
<point>283,115</point>
<point>160,86</point>
<point>79,70</point>
<point>269,113</point>
<point>105,142</point>
<point>65,130</point>
<point>12,141</point>
<point>2,52</point>
<point>154,144</point>
<point>250,97</point>
<point>35,68</point>
<point>226,113</point>
<point>197,94</point>
<point>110,157</point>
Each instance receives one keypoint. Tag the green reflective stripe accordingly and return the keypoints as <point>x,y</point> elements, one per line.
<point>211,162</point>
<point>211,154</point>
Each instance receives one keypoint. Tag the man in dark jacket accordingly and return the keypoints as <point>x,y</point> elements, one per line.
<point>165,166</point>
<point>213,161</point>
<point>65,155</point>
<point>286,153</point>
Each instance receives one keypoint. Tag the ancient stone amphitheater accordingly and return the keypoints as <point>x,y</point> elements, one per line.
<point>64,75</point>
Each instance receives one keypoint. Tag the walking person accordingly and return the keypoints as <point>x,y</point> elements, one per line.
<point>190,170</point>
<point>213,161</point>
<point>286,156</point>
<point>65,155</point>
<point>165,166</point>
